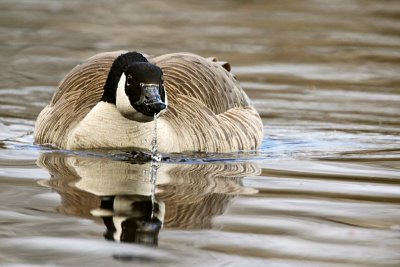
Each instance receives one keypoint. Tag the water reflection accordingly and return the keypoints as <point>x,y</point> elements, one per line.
<point>132,218</point>
<point>120,193</point>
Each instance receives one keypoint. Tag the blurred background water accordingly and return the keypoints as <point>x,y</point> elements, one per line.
<point>324,189</point>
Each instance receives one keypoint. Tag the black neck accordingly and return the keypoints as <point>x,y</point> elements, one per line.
<point>119,65</point>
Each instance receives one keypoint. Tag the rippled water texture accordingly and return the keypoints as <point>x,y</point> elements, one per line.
<point>324,190</point>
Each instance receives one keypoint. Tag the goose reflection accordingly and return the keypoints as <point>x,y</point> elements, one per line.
<point>133,209</point>
<point>132,218</point>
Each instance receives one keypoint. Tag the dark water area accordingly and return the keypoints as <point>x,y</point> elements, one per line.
<point>323,190</point>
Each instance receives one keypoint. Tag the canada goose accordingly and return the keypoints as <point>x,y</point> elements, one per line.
<point>109,101</point>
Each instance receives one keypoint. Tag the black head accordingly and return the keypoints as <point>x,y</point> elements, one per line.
<point>136,87</point>
<point>144,86</point>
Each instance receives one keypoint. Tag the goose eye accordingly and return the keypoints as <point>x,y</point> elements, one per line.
<point>162,81</point>
<point>128,79</point>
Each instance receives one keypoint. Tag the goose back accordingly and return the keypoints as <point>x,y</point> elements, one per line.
<point>208,109</point>
<point>79,91</point>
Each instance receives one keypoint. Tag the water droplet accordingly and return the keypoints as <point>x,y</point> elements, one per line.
<point>155,163</point>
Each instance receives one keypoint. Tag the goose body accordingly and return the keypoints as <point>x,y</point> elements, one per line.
<point>203,107</point>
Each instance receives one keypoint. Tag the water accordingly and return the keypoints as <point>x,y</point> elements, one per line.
<point>155,164</point>
<point>324,189</point>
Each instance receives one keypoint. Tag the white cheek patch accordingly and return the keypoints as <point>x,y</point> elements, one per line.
<point>124,105</point>
<point>122,100</point>
<point>166,97</point>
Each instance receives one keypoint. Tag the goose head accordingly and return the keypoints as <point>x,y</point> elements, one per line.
<point>136,87</point>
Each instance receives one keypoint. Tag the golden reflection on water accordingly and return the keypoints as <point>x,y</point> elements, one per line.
<point>187,196</point>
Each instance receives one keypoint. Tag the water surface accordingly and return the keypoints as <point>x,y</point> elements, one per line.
<point>323,190</point>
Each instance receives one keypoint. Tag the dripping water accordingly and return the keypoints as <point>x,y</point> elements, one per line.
<point>155,163</point>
